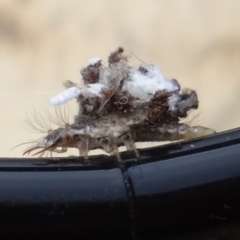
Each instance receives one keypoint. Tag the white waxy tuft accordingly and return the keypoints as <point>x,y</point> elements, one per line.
<point>145,85</point>
<point>65,96</point>
<point>89,90</point>
<point>114,75</point>
<point>93,61</point>
<point>93,90</point>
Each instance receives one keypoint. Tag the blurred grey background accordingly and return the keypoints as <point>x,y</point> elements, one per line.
<point>43,43</point>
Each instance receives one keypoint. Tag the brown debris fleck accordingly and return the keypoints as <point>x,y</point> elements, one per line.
<point>104,102</point>
<point>142,70</point>
<point>90,74</point>
<point>116,56</point>
<point>68,84</point>
<point>122,102</point>
<point>158,112</point>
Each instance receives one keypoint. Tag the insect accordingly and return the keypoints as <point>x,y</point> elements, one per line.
<point>120,105</point>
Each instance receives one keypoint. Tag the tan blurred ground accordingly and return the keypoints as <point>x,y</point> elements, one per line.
<point>43,43</point>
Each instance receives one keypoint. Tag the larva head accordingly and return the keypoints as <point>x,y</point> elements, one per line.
<point>55,138</point>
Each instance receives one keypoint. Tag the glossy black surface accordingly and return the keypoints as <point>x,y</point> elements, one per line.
<point>58,203</point>
<point>188,190</point>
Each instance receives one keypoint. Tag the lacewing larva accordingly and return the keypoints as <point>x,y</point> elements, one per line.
<point>119,105</point>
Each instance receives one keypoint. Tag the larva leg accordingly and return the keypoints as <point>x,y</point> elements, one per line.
<point>41,155</point>
<point>86,150</point>
<point>105,143</point>
<point>62,150</point>
<point>130,144</point>
<point>82,145</point>
<point>50,149</point>
<point>109,146</point>
<point>116,154</point>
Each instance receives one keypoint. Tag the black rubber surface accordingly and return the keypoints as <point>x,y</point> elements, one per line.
<point>187,190</point>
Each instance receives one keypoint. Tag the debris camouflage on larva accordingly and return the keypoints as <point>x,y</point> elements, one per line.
<point>119,105</point>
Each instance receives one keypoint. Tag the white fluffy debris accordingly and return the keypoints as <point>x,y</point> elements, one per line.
<point>172,102</point>
<point>88,90</point>
<point>114,74</point>
<point>93,90</point>
<point>143,85</point>
<point>65,96</point>
<point>93,61</point>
